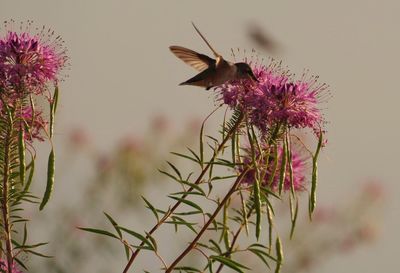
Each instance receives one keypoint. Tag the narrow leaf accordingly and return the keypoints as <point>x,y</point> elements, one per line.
<point>30,177</point>
<point>294,213</point>
<point>229,263</point>
<point>279,255</point>
<point>21,151</point>
<point>114,224</point>
<point>50,180</point>
<point>152,208</point>
<point>202,146</point>
<point>313,198</point>
<point>99,231</point>
<point>138,236</point>
<point>283,169</point>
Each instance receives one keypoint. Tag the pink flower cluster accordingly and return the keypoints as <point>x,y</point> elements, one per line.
<point>3,267</point>
<point>275,99</point>
<point>28,64</point>
<point>266,170</point>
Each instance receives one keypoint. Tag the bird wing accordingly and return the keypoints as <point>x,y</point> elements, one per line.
<point>196,60</point>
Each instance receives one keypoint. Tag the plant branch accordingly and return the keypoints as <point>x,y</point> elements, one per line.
<point>205,227</point>
<point>198,180</point>
<point>235,237</point>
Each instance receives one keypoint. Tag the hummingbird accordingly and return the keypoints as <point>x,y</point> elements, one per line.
<point>213,72</point>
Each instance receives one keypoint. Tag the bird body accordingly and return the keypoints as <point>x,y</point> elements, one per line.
<point>213,72</point>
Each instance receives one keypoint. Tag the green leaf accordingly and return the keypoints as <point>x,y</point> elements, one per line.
<point>293,213</point>
<point>259,254</point>
<point>187,202</point>
<point>185,156</point>
<point>169,175</point>
<point>53,107</point>
<point>225,231</point>
<point>25,235</point>
<point>233,147</point>
<point>229,263</point>
<point>21,152</point>
<point>314,177</point>
<point>275,168</point>
<point>38,254</point>
<point>153,241</point>
<point>114,224</point>
<point>31,246</point>
<point>179,221</point>
<point>193,186</point>
<point>256,187</point>
<point>99,231</point>
<point>175,169</point>
<point>196,156</point>
<point>257,203</point>
<point>279,255</point>
<point>138,236</point>
<point>30,177</point>
<point>215,247</point>
<point>152,208</point>
<point>283,169</point>
<point>223,177</point>
<point>55,98</point>
<point>270,226</point>
<point>127,252</point>
<point>186,269</point>
<point>50,180</point>
<point>20,263</point>
<point>202,146</point>
<point>260,248</point>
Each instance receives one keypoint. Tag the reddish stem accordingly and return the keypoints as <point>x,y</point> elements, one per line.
<point>176,205</point>
<point>205,227</point>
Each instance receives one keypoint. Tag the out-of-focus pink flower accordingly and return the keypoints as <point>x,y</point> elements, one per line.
<point>131,144</point>
<point>368,232</point>
<point>160,123</point>
<point>298,171</point>
<point>79,137</point>
<point>276,99</point>
<point>324,214</point>
<point>374,189</point>
<point>194,125</point>
<point>104,164</point>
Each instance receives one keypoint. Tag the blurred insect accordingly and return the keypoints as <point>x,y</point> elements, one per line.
<point>263,39</point>
<point>213,72</point>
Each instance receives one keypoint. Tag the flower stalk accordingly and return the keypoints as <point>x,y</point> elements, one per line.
<point>5,193</point>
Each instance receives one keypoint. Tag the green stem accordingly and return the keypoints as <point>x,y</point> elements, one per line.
<point>4,206</point>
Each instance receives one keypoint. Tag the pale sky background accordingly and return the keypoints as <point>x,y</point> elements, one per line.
<point>122,73</point>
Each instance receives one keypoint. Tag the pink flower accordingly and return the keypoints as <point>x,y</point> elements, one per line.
<point>3,267</point>
<point>266,169</point>
<point>276,99</point>
<point>28,62</point>
<point>36,123</point>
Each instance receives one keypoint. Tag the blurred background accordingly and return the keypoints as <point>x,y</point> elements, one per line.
<point>121,96</point>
